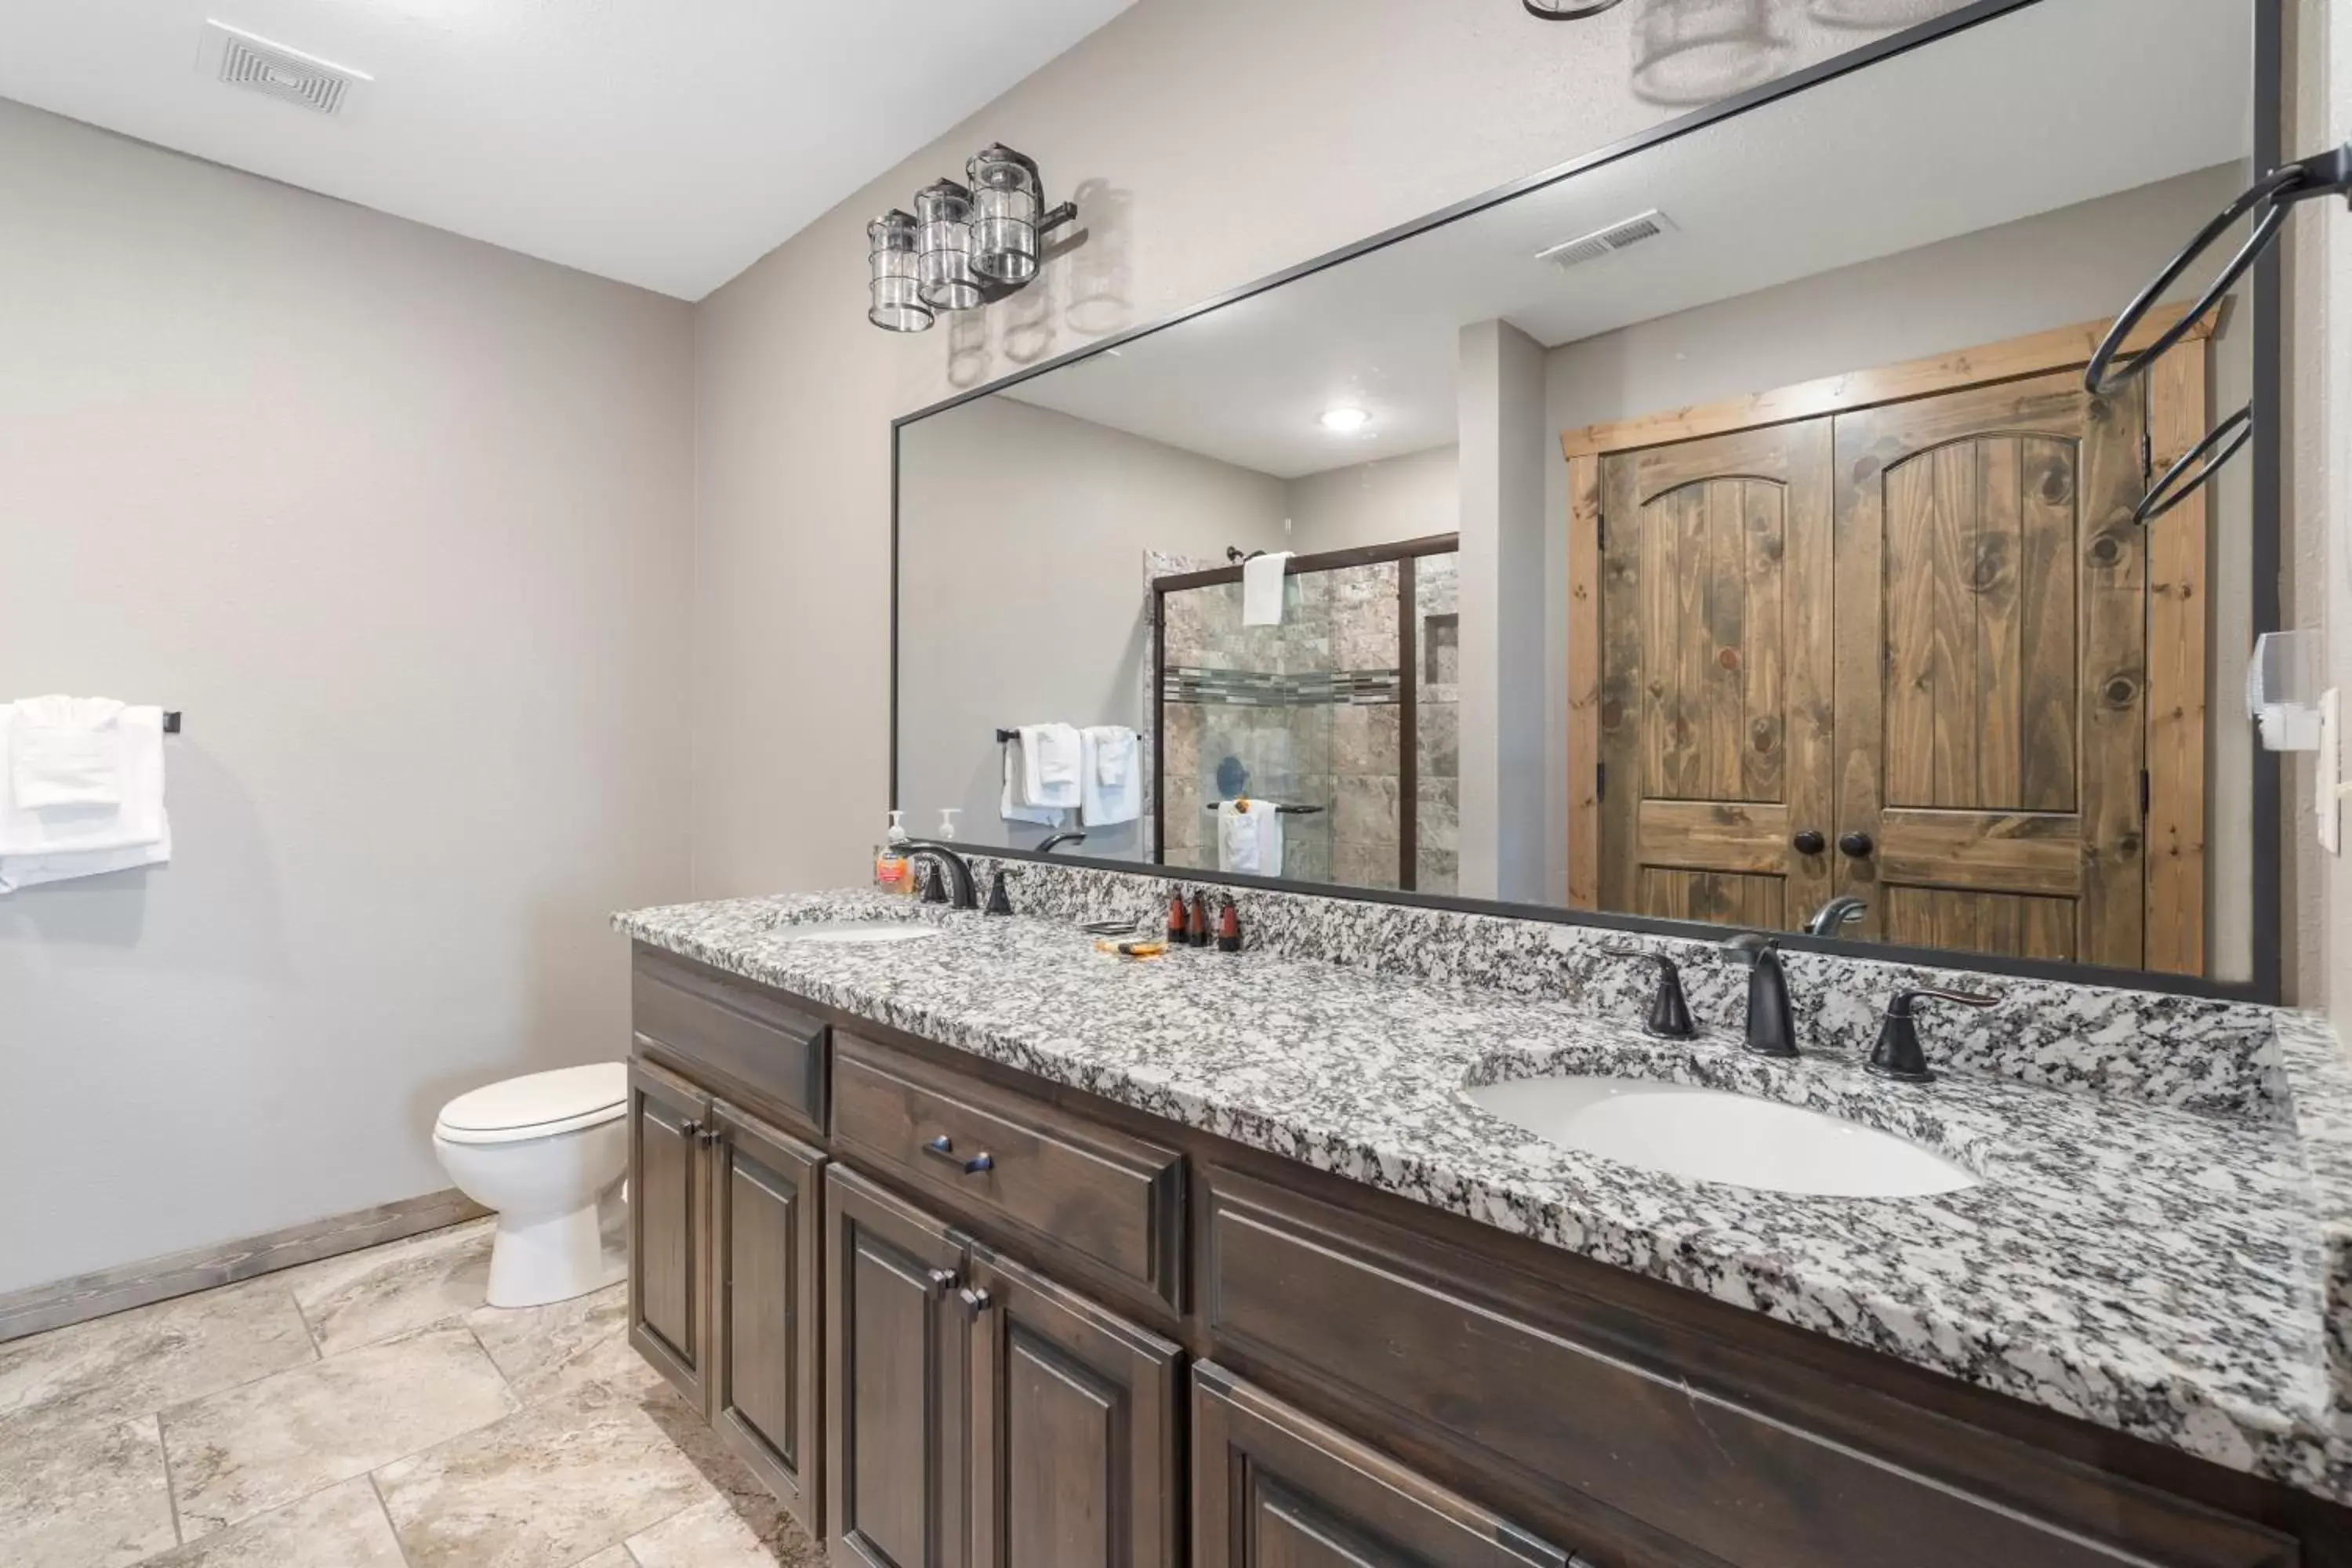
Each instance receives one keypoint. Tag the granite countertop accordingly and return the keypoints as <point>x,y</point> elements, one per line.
<point>2162,1272</point>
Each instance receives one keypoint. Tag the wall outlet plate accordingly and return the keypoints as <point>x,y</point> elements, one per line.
<point>2329,790</point>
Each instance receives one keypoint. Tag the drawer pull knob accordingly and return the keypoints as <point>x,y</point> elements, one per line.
<point>943,1148</point>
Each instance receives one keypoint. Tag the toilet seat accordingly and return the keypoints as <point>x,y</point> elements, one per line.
<point>537,1105</point>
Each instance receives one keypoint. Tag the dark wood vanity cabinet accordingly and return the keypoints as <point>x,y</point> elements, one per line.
<point>724,1225</point>
<point>984,1344</point>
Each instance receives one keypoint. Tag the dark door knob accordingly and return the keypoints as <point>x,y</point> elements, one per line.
<point>1810,842</point>
<point>1856,846</point>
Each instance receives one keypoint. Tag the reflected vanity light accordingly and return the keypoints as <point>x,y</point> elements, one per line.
<point>1878,13</point>
<point>1568,10</point>
<point>1344,420</point>
<point>897,304</point>
<point>963,246</point>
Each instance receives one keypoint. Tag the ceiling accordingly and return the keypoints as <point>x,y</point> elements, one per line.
<point>669,143</point>
<point>2059,103</point>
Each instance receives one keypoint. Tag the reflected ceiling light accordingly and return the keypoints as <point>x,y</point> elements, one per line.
<point>1568,10</point>
<point>1344,419</point>
<point>964,246</point>
<point>1696,51</point>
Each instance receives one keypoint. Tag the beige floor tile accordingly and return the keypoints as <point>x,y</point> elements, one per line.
<point>549,1351</point>
<point>561,1480</point>
<point>611,1557</point>
<point>266,1444</point>
<point>714,1535</point>
<point>108,1370</point>
<point>94,1498</point>
<point>363,1297</point>
<point>343,1527</point>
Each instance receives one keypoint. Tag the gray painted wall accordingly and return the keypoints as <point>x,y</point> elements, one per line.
<point>401,522</point>
<point>1021,560</point>
<point>1378,502</point>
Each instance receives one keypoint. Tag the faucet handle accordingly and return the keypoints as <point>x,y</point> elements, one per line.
<point>1750,947</point>
<point>1670,1016</point>
<point>1897,1055</point>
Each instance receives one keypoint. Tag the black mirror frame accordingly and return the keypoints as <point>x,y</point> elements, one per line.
<point>2265,985</point>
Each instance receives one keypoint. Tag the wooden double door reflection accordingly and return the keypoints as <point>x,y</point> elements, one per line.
<point>1899,654</point>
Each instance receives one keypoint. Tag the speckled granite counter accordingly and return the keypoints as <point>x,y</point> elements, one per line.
<point>2160,1271</point>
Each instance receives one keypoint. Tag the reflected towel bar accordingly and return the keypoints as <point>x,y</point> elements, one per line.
<point>1278,811</point>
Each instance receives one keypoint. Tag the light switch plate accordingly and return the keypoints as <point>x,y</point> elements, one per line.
<point>2328,796</point>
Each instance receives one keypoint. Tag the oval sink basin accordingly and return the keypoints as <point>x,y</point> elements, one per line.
<point>1711,1136</point>
<point>859,932</point>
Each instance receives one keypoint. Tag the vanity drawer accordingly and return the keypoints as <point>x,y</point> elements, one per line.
<point>1113,1200</point>
<point>1423,1339</point>
<point>734,1036</point>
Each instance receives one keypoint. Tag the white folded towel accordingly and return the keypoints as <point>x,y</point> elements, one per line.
<point>1262,583</point>
<point>49,844</point>
<point>1249,841</point>
<point>1014,807</point>
<point>1112,784</point>
<point>1050,757</point>
<point>66,752</point>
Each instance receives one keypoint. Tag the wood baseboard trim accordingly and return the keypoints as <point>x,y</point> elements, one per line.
<point>40,1308</point>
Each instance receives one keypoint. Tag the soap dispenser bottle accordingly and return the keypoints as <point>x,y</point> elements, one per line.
<point>893,871</point>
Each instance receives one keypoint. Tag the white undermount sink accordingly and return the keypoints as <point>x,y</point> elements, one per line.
<point>859,932</point>
<point>1709,1135</point>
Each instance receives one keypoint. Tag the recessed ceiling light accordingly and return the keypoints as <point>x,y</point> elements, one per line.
<point>1343,420</point>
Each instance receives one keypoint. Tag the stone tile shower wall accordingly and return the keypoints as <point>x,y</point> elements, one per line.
<point>1306,713</point>
<point>1438,745</point>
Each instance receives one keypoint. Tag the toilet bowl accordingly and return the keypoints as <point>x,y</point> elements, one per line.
<point>542,1151</point>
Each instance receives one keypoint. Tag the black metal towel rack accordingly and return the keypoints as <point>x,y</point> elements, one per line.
<point>171,720</point>
<point>2274,196</point>
<point>1278,811</point>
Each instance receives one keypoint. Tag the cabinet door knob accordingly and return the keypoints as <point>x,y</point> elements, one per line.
<point>689,1129</point>
<point>1810,842</point>
<point>1857,846</point>
<point>944,1280</point>
<point>978,1300</point>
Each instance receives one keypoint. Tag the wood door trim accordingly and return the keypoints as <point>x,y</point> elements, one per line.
<point>2013,359</point>
<point>2178,414</point>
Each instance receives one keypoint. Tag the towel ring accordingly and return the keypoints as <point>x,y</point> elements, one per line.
<point>2179,484</point>
<point>2278,192</point>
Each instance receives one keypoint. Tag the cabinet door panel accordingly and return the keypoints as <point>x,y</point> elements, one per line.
<point>1074,1428</point>
<point>895,1380</point>
<point>766,1378</point>
<point>668,1216</point>
<point>1273,1488</point>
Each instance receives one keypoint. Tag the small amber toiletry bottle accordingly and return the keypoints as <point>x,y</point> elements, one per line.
<point>1229,926</point>
<point>1176,916</point>
<point>1196,930</point>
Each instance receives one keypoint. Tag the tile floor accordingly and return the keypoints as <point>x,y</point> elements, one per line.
<point>367,1412</point>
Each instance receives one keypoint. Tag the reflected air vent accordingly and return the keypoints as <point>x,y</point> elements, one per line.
<point>239,60</point>
<point>1604,242</point>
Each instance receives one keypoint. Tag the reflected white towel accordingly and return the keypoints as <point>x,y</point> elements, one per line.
<point>1249,841</point>
<point>1051,756</point>
<point>65,751</point>
<point>1263,577</point>
<point>1112,785</point>
<point>1013,808</point>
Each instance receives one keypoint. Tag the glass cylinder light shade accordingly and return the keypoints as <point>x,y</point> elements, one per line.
<point>1695,51</point>
<point>943,247</point>
<point>1880,13</point>
<point>1006,201</point>
<point>897,304</point>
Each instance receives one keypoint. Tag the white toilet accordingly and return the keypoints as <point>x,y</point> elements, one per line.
<point>542,1150</point>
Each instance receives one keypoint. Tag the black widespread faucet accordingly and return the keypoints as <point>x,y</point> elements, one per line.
<point>1670,1016</point>
<point>1053,841</point>
<point>1897,1054</point>
<point>1845,910</point>
<point>958,869</point>
<point>1771,1023</point>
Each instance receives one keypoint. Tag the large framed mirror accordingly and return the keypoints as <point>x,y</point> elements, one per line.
<point>1718,532</point>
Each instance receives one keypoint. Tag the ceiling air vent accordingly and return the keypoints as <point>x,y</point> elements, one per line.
<point>240,59</point>
<point>1617,237</point>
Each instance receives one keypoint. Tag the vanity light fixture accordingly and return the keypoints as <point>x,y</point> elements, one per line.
<point>1696,51</point>
<point>897,304</point>
<point>964,246</point>
<point>1568,10</point>
<point>1344,420</point>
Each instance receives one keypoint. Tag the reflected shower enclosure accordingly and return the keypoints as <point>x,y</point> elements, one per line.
<point>1345,715</point>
